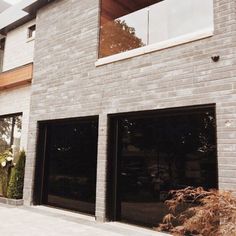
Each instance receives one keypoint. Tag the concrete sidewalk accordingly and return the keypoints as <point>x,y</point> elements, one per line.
<point>43,221</point>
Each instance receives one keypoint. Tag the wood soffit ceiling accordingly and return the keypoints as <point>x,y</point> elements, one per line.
<point>113,9</point>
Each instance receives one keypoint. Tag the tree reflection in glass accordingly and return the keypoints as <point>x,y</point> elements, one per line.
<point>10,132</point>
<point>161,152</point>
<point>116,36</point>
<point>126,25</point>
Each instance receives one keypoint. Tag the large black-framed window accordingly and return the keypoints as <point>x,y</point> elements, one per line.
<point>152,153</point>
<point>66,164</point>
<point>10,132</point>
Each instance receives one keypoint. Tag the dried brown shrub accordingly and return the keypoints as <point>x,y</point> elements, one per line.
<point>195,211</point>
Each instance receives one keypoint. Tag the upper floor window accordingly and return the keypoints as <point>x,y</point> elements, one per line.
<point>31,31</point>
<point>2,44</point>
<point>2,47</point>
<point>126,25</point>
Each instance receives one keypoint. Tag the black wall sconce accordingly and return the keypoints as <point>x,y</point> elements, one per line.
<point>215,58</point>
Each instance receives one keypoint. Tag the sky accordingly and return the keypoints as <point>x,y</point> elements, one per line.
<point>12,1</point>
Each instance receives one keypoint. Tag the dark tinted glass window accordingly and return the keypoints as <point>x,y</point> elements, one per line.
<point>70,167</point>
<point>31,31</point>
<point>159,153</point>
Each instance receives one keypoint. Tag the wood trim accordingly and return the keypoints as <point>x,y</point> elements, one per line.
<point>16,77</point>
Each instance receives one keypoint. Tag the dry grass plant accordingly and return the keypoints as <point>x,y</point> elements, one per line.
<point>195,211</point>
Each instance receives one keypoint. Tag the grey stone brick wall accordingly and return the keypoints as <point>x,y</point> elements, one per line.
<point>67,83</point>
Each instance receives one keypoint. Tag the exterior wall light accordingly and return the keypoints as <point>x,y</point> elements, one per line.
<point>215,58</point>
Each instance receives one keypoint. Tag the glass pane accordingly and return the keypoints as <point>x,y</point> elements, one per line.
<point>188,16</point>
<point>173,18</point>
<point>2,47</point>
<point>72,162</point>
<point>10,133</point>
<point>5,133</point>
<point>162,153</point>
<point>137,22</point>
<point>158,22</point>
<point>124,26</point>
<point>17,123</point>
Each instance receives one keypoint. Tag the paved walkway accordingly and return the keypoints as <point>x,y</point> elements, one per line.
<point>43,221</point>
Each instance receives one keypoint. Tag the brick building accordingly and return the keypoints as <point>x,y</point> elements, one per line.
<point>128,101</point>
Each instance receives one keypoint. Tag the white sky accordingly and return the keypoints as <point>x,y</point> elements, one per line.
<point>12,1</point>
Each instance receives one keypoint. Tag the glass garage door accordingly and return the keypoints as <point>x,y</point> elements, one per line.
<point>69,165</point>
<point>154,153</point>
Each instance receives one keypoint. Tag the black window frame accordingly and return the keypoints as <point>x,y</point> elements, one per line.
<point>41,168</point>
<point>113,211</point>
<point>31,31</point>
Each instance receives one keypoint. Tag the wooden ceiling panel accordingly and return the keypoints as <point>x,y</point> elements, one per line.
<point>113,9</point>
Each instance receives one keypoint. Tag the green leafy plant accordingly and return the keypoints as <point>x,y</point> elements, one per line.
<point>16,183</point>
<point>6,164</point>
<point>196,211</point>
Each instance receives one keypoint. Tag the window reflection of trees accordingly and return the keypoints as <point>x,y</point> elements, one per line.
<point>9,126</point>
<point>188,136</point>
<point>116,36</point>
<point>126,25</point>
<point>178,142</point>
<point>120,30</point>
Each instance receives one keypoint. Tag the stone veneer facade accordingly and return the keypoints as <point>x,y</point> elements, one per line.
<point>68,84</point>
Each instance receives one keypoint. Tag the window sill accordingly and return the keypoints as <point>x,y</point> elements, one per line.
<point>156,47</point>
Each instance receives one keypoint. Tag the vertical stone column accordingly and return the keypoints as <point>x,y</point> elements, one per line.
<point>30,165</point>
<point>101,169</point>
<point>226,144</point>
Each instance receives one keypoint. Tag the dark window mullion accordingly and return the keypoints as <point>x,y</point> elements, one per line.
<point>12,130</point>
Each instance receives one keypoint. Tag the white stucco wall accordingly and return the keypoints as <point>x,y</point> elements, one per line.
<point>17,100</point>
<point>19,50</point>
